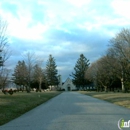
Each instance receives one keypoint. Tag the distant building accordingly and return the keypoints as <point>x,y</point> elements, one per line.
<point>67,86</point>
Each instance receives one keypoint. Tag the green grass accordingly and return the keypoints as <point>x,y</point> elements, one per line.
<point>12,106</point>
<point>122,99</point>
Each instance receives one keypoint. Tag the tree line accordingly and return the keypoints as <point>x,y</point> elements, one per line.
<point>29,73</point>
<point>112,71</point>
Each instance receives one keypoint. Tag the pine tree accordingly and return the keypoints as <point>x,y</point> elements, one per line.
<point>79,72</point>
<point>20,73</point>
<point>51,71</point>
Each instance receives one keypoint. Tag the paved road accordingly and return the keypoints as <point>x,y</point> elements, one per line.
<point>71,111</point>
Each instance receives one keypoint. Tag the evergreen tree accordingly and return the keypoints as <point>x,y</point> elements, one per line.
<point>79,72</point>
<point>20,73</point>
<point>51,71</point>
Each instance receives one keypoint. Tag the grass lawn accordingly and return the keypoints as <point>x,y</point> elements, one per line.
<point>12,106</point>
<point>122,99</point>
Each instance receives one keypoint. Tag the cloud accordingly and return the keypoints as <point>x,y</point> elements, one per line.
<point>63,28</point>
<point>21,21</point>
<point>121,7</point>
<point>79,4</point>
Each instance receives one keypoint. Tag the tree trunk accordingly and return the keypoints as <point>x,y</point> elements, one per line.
<point>27,89</point>
<point>105,87</point>
<point>122,84</point>
<point>40,85</point>
<point>50,87</point>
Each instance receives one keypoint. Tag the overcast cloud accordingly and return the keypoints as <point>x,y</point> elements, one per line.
<point>63,28</point>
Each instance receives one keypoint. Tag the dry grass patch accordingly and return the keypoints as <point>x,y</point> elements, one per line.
<point>122,99</point>
<point>12,106</point>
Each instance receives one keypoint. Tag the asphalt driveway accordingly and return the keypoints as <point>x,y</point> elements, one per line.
<point>71,111</point>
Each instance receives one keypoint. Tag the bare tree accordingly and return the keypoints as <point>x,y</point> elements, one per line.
<point>101,73</point>
<point>4,77</point>
<point>115,65</point>
<point>91,73</point>
<point>120,50</point>
<point>30,60</point>
<point>4,48</point>
<point>38,75</point>
<point>121,44</point>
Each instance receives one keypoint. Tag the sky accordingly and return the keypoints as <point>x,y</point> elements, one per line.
<point>63,28</point>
